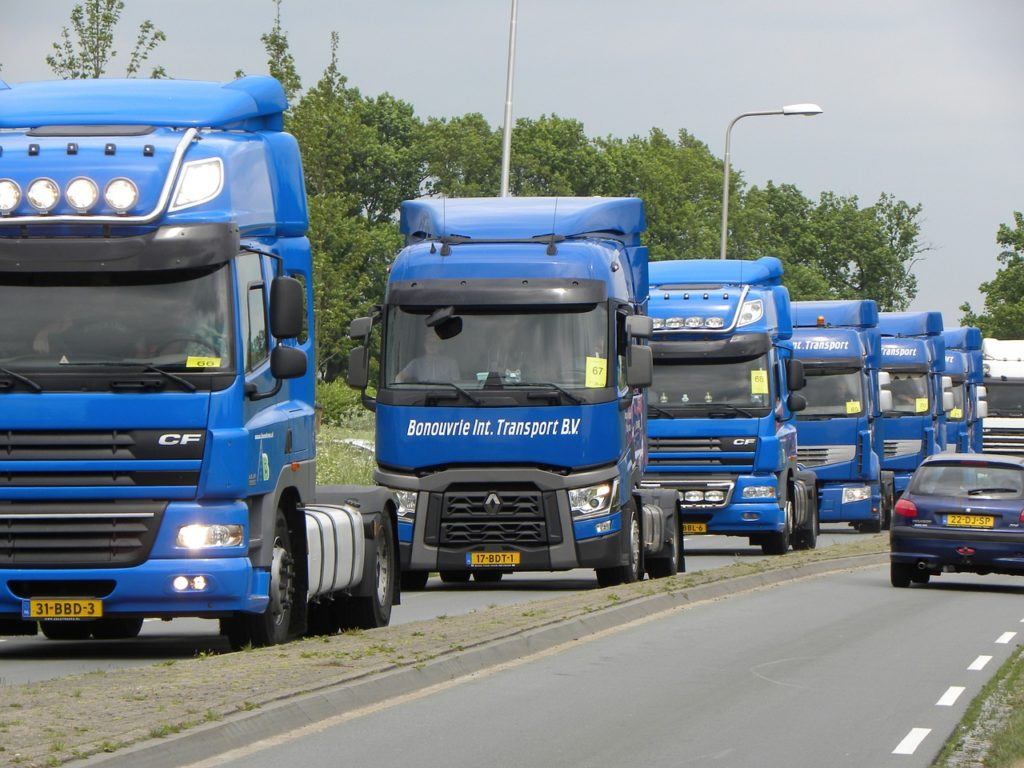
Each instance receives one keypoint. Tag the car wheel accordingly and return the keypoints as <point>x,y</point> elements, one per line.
<point>900,574</point>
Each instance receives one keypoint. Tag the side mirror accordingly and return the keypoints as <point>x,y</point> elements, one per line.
<point>640,326</point>
<point>639,366</point>
<point>358,368</point>
<point>983,409</point>
<point>287,312</point>
<point>795,375</point>
<point>360,328</point>
<point>884,380</point>
<point>981,393</point>
<point>885,404</point>
<point>287,362</point>
<point>947,384</point>
<point>796,402</point>
<point>947,401</point>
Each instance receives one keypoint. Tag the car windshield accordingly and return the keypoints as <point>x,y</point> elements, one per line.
<point>972,480</point>
<point>831,392</point>
<point>696,387</point>
<point>1005,399</point>
<point>172,319</point>
<point>909,393</point>
<point>476,350</point>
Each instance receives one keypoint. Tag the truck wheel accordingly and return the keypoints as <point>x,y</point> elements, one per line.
<point>487,577</point>
<point>455,577</point>
<point>885,513</point>
<point>271,627</point>
<point>414,581</point>
<point>900,574</point>
<point>116,629</point>
<point>66,630</point>
<point>322,618</point>
<point>808,538</point>
<point>633,570</point>
<point>778,543</point>
<point>374,610</point>
<point>664,567</point>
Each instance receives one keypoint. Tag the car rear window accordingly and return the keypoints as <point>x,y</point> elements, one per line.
<point>972,480</point>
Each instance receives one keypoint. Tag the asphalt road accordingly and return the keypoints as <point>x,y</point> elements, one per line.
<point>28,659</point>
<point>839,670</point>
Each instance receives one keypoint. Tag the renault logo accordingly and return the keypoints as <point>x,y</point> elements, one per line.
<point>492,504</point>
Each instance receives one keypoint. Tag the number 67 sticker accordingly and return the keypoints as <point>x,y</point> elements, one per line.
<point>597,372</point>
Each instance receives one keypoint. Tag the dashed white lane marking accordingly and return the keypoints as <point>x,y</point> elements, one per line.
<point>979,663</point>
<point>950,696</point>
<point>1005,638</point>
<point>911,741</point>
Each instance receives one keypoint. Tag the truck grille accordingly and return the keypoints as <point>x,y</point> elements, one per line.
<point>896,448</point>
<point>822,455</point>
<point>493,516</point>
<point>94,534</point>
<point>723,452</point>
<point>1009,442</point>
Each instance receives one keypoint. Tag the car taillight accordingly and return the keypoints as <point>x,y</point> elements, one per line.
<point>1022,515</point>
<point>905,508</point>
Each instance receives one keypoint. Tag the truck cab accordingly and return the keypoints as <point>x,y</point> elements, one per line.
<point>964,367</point>
<point>914,356</point>
<point>158,454</point>
<point>840,347</point>
<point>511,391</point>
<point>1003,370</point>
<point>721,432</point>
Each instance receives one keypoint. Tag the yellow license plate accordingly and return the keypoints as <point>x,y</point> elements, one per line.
<point>492,559</point>
<point>692,528</point>
<point>970,521</point>
<point>62,608</point>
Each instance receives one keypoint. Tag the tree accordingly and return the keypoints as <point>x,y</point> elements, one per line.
<point>280,61</point>
<point>86,50</point>
<point>1003,316</point>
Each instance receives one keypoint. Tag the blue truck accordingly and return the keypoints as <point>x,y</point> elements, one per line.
<point>721,431</point>
<point>511,390</point>
<point>840,347</point>
<point>914,356</point>
<point>965,368</point>
<point>157,453</point>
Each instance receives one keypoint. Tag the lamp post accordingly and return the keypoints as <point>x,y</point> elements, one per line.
<point>807,110</point>
<point>506,138</point>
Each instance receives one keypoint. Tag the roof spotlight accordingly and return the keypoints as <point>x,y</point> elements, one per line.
<point>82,194</point>
<point>121,194</point>
<point>43,195</point>
<point>10,196</point>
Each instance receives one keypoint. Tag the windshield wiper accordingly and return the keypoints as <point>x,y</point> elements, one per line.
<point>735,409</point>
<point>144,366</point>
<point>659,409</point>
<point>979,491</point>
<point>473,399</point>
<point>23,379</point>
<point>575,399</point>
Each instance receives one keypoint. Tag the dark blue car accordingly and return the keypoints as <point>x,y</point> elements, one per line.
<point>961,513</point>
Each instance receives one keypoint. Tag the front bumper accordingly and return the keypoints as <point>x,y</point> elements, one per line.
<point>999,551</point>
<point>233,585</point>
<point>832,510</point>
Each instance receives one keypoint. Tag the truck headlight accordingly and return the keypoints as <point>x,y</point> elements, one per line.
<point>10,196</point>
<point>716,497</point>
<point>121,194</point>
<point>43,195</point>
<point>750,312</point>
<point>82,194</point>
<point>593,500</point>
<point>406,503</point>
<point>759,492</point>
<point>200,181</point>
<point>856,493</point>
<point>201,536</point>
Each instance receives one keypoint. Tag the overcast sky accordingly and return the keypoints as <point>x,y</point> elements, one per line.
<point>922,98</point>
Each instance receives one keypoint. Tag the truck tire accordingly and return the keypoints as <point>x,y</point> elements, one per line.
<point>888,502</point>
<point>487,577</point>
<point>633,570</point>
<point>66,630</point>
<point>455,577</point>
<point>374,610</point>
<point>414,581</point>
<point>900,574</point>
<point>272,626</point>
<point>664,567</point>
<point>778,543</point>
<point>116,629</point>
<point>806,537</point>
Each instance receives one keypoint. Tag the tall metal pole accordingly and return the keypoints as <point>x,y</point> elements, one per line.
<point>506,141</point>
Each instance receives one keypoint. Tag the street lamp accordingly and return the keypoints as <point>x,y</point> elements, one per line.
<point>807,110</point>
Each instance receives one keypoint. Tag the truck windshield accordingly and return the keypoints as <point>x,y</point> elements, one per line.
<point>833,393</point>
<point>177,320</point>
<point>696,388</point>
<point>495,349</point>
<point>909,393</point>
<point>1005,399</point>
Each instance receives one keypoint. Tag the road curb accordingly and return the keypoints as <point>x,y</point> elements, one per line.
<point>243,729</point>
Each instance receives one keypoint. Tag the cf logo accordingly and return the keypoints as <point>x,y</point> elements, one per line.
<point>492,504</point>
<point>744,441</point>
<point>174,438</point>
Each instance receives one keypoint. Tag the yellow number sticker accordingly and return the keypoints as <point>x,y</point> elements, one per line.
<point>853,406</point>
<point>202,362</point>
<point>597,372</point>
<point>956,413</point>
<point>921,405</point>
<point>759,382</point>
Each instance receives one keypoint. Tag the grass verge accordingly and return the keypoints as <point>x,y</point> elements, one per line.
<point>341,463</point>
<point>991,732</point>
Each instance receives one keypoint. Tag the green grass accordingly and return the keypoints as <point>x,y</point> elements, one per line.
<point>340,464</point>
